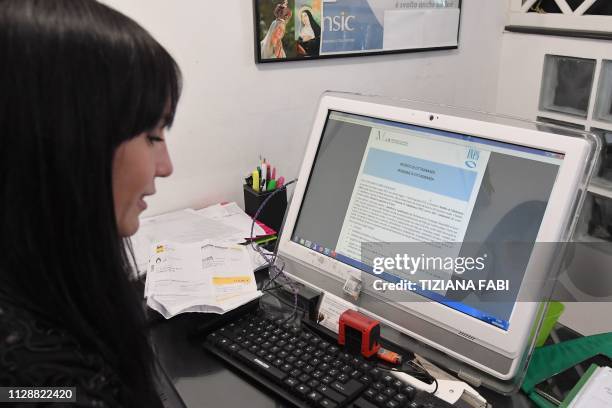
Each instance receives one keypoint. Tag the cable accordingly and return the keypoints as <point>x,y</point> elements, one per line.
<point>417,372</point>
<point>275,272</point>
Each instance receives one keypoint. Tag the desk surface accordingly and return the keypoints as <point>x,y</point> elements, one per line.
<point>201,380</point>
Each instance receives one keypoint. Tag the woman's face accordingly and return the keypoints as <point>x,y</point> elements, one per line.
<point>305,20</point>
<point>136,164</point>
<point>279,32</point>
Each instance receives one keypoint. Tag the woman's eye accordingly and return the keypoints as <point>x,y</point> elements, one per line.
<point>154,139</point>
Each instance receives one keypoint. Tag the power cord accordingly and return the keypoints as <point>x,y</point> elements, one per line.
<point>415,371</point>
<point>275,272</point>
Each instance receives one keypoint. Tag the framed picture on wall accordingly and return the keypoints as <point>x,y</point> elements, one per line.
<point>290,30</point>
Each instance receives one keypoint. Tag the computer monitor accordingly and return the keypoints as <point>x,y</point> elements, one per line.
<point>383,173</point>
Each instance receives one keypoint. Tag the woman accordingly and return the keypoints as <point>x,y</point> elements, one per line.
<point>310,35</point>
<point>86,95</point>
<point>272,44</point>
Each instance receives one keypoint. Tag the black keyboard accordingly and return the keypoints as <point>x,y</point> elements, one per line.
<point>308,369</point>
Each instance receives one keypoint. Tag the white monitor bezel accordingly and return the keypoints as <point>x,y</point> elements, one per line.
<point>510,343</point>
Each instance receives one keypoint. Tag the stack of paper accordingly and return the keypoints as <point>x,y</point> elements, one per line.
<point>193,261</point>
<point>199,277</point>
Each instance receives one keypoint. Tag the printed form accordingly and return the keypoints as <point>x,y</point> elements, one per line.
<point>413,187</point>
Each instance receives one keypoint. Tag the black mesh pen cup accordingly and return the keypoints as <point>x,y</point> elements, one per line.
<point>273,213</point>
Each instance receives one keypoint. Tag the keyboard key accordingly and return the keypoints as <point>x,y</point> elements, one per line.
<point>350,389</point>
<point>291,382</point>
<point>364,379</point>
<point>380,399</point>
<point>295,373</point>
<point>397,384</point>
<point>343,378</point>
<point>375,373</point>
<point>304,378</point>
<point>302,390</point>
<point>362,403</point>
<point>314,396</point>
<point>286,367</point>
<point>327,392</point>
<point>413,405</point>
<point>392,404</point>
<point>327,379</point>
<point>401,398</point>
<point>355,374</point>
<point>389,392</point>
<point>313,383</point>
<point>409,391</point>
<point>370,393</point>
<point>269,370</point>
<point>387,379</point>
<point>332,350</point>
<point>378,386</point>
<point>325,403</point>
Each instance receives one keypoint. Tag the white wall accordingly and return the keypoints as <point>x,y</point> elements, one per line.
<point>233,110</point>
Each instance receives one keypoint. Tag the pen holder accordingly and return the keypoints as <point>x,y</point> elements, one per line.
<point>273,213</point>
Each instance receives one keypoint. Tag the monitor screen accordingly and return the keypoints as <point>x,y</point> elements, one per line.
<point>375,180</point>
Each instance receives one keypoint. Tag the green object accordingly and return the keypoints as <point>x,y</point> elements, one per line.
<point>572,394</point>
<point>549,360</point>
<point>265,240</point>
<point>271,185</point>
<point>554,311</point>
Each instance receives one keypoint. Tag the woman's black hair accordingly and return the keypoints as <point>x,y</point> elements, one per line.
<point>316,28</point>
<point>77,79</point>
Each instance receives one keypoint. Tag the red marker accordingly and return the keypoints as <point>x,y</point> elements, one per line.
<point>280,182</point>
<point>273,173</point>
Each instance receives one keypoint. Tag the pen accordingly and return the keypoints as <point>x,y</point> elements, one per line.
<point>264,170</point>
<point>272,185</point>
<point>255,176</point>
<point>280,182</point>
<point>273,173</point>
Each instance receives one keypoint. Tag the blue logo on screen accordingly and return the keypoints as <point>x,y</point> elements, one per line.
<point>472,158</point>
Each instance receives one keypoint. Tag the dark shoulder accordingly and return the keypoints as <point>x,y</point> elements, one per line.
<point>34,353</point>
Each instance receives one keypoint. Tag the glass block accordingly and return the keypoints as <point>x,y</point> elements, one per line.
<point>600,8</point>
<point>600,223</point>
<point>605,164</point>
<point>603,105</point>
<point>544,6</point>
<point>566,85</point>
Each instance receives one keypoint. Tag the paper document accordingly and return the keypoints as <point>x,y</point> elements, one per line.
<point>224,224</point>
<point>199,277</point>
<point>597,392</point>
